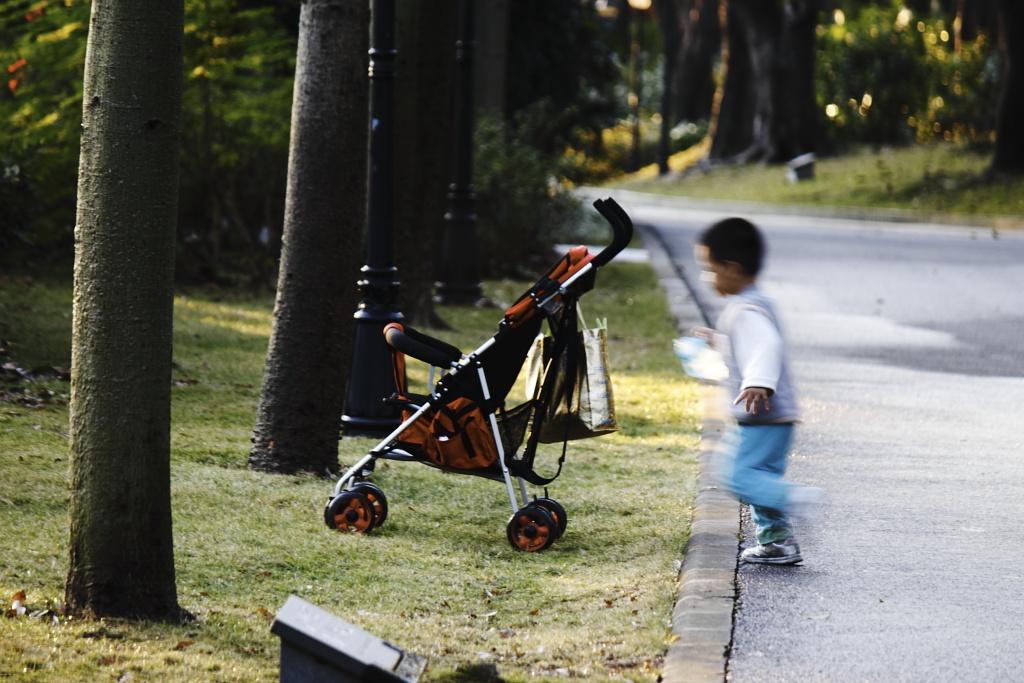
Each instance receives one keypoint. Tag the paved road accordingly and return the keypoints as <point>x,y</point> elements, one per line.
<point>908,343</point>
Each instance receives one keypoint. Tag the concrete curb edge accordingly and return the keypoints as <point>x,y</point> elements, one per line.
<point>702,618</point>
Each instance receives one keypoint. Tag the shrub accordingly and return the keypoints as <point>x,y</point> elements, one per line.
<point>888,76</point>
<point>522,206</point>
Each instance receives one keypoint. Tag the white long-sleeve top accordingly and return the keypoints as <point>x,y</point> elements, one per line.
<point>754,350</point>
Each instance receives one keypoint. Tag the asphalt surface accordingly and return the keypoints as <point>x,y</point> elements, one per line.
<point>907,347</point>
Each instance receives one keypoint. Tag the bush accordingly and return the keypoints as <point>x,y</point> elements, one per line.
<point>887,76</point>
<point>238,75</point>
<point>522,206</point>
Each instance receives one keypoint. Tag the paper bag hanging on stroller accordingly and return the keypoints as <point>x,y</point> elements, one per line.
<point>463,426</point>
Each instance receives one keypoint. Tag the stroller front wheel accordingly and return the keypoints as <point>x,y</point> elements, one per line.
<point>531,529</point>
<point>350,512</point>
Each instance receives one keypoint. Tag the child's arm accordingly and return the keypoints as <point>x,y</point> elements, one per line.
<point>758,347</point>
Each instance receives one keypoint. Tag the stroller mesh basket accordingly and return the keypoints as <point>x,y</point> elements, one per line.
<point>463,426</point>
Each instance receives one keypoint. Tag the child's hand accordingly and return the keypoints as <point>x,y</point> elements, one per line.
<point>705,333</point>
<point>751,395</point>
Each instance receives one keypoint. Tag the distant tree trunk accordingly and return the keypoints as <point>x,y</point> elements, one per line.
<point>768,101</point>
<point>304,384</point>
<point>795,124</point>
<point>668,18</point>
<point>121,546</point>
<point>733,112</point>
<point>696,53</point>
<point>1009,155</point>
<point>424,78</point>
<point>492,56</point>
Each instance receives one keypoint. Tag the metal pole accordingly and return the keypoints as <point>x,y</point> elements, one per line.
<point>372,379</point>
<point>460,273</point>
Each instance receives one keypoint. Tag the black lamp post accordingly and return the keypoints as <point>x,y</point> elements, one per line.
<point>459,281</point>
<point>372,380</point>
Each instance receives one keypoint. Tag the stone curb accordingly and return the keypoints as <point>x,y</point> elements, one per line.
<point>702,618</point>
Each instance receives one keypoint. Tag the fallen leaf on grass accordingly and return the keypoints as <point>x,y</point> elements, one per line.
<point>183,644</point>
<point>265,613</point>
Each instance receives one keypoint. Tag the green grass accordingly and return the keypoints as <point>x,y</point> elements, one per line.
<point>942,178</point>
<point>439,579</point>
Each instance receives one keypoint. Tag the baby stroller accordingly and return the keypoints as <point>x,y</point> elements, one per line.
<point>463,426</point>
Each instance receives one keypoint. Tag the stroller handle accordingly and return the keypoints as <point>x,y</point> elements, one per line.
<point>420,346</point>
<point>622,227</point>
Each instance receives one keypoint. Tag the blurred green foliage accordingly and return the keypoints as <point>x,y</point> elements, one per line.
<point>887,75</point>
<point>238,71</point>
<point>522,204</point>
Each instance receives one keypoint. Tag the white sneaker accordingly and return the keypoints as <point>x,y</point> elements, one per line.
<point>780,552</point>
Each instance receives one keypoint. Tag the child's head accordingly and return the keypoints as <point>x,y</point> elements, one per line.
<point>735,240</point>
<point>730,252</point>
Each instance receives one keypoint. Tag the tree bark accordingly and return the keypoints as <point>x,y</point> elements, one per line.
<point>424,84</point>
<point>310,350</point>
<point>767,111</point>
<point>733,113</point>
<point>121,546</point>
<point>693,87</point>
<point>795,123</point>
<point>1008,159</point>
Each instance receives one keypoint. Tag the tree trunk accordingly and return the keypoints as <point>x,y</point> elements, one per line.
<point>121,546</point>
<point>492,56</point>
<point>768,101</point>
<point>733,114</point>
<point>424,83</point>
<point>1009,155</point>
<point>795,124</point>
<point>693,87</point>
<point>308,359</point>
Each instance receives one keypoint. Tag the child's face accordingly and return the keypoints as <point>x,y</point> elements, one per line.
<point>727,277</point>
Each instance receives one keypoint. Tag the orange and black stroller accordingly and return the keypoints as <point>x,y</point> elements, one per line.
<point>463,426</point>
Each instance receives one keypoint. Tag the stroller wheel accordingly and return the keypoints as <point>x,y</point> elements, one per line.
<point>556,510</point>
<point>532,528</point>
<point>350,512</point>
<point>377,498</point>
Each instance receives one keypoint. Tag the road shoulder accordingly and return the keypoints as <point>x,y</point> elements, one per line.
<point>702,618</point>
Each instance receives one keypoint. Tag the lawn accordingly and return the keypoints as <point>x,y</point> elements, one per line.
<point>940,178</point>
<point>439,579</point>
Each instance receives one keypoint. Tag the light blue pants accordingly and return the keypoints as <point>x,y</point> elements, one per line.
<point>750,464</point>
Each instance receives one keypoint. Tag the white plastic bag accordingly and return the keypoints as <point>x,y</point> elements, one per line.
<point>700,361</point>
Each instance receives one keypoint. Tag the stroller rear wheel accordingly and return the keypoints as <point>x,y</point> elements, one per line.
<point>377,498</point>
<point>556,510</point>
<point>350,512</point>
<point>532,528</point>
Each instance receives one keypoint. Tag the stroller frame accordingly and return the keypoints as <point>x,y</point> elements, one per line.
<point>359,506</point>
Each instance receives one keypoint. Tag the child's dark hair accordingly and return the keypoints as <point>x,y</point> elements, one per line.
<point>735,239</point>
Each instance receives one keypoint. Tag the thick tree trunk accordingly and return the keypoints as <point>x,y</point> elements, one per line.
<point>733,114</point>
<point>424,85</point>
<point>795,126</point>
<point>121,549</point>
<point>1009,155</point>
<point>767,110</point>
<point>308,359</point>
<point>699,47</point>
